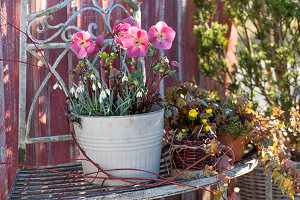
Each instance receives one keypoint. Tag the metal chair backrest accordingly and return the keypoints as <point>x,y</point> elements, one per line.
<point>27,21</point>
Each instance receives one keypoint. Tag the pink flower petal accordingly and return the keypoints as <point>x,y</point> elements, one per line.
<point>143,35</point>
<point>160,25</point>
<point>127,41</point>
<point>143,50</point>
<point>77,36</point>
<point>170,33</point>
<point>133,31</point>
<point>152,33</point>
<point>133,52</point>
<point>85,35</point>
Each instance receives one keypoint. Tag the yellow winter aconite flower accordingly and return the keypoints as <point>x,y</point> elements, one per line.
<point>207,127</point>
<point>183,130</point>
<point>193,113</point>
<point>204,121</point>
<point>249,110</point>
<point>209,111</point>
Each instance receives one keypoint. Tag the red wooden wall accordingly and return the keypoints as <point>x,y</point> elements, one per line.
<point>49,116</point>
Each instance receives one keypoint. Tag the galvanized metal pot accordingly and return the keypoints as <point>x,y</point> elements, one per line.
<point>121,142</point>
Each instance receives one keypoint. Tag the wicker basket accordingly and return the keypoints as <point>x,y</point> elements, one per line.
<point>253,186</point>
<point>188,154</point>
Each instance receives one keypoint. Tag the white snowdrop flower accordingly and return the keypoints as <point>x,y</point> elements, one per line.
<point>102,96</point>
<point>182,96</point>
<point>85,78</point>
<point>56,86</point>
<point>72,90</point>
<point>99,85</point>
<point>80,89</point>
<point>107,91</point>
<point>94,87</point>
<point>139,94</point>
<point>167,60</point>
<point>125,78</point>
<point>76,95</point>
<point>92,77</point>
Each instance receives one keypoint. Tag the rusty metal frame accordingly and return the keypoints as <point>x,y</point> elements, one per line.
<point>26,22</point>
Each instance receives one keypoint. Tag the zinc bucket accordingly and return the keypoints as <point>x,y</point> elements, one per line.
<point>121,142</point>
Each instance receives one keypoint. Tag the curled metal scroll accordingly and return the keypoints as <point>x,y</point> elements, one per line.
<point>62,28</point>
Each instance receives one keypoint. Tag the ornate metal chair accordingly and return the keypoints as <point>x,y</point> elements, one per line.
<point>44,184</point>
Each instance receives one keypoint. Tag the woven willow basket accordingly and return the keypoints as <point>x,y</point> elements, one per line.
<point>253,186</point>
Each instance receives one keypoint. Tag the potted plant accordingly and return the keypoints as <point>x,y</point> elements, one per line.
<point>190,122</point>
<point>234,122</point>
<point>117,117</point>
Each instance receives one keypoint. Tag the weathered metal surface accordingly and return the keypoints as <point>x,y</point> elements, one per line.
<point>48,185</point>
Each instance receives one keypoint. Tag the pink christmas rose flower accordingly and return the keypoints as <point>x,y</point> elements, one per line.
<point>82,44</point>
<point>121,29</point>
<point>161,35</point>
<point>136,42</point>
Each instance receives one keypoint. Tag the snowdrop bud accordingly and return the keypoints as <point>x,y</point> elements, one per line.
<point>99,85</point>
<point>80,89</point>
<point>94,87</point>
<point>102,96</point>
<point>72,90</point>
<point>76,95</point>
<point>107,91</point>
<point>92,77</point>
<point>139,94</point>
<point>56,86</point>
<point>166,60</point>
<point>125,78</point>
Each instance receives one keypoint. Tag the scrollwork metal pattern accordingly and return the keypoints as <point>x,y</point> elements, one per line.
<point>62,30</point>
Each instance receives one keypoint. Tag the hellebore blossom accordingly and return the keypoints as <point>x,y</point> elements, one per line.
<point>161,35</point>
<point>136,42</point>
<point>82,44</point>
<point>121,29</point>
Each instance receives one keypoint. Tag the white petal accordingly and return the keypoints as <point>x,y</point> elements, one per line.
<point>72,90</point>
<point>125,78</point>
<point>94,87</point>
<point>56,86</point>
<point>99,85</point>
<point>107,91</point>
<point>92,77</point>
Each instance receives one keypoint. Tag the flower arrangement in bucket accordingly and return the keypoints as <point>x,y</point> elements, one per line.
<point>189,121</point>
<point>117,116</point>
